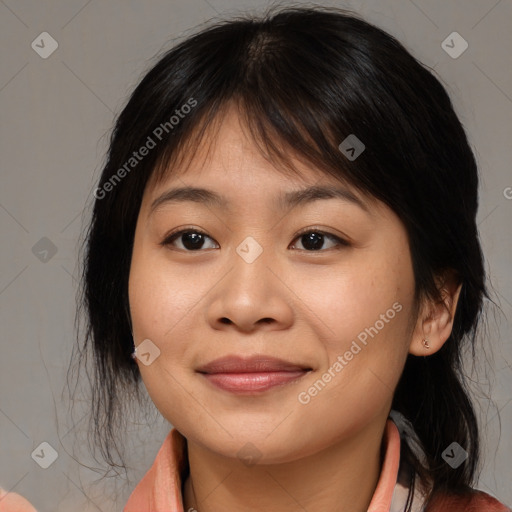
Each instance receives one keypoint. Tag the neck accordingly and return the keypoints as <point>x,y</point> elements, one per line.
<point>342,478</point>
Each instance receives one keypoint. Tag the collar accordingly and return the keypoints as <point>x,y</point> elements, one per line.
<point>161,488</point>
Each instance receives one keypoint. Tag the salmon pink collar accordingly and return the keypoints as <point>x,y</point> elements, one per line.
<point>160,489</point>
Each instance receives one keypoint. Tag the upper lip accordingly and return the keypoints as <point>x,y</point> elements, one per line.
<point>253,364</point>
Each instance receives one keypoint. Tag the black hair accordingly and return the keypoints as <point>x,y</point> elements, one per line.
<point>304,79</point>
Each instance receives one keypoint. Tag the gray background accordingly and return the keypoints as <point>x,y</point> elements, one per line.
<point>56,113</point>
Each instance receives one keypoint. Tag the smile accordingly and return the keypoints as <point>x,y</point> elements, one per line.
<point>256,374</point>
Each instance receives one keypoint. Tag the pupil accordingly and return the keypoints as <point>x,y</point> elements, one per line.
<point>313,240</point>
<point>192,240</point>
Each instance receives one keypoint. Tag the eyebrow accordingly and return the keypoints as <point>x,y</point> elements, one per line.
<point>287,200</point>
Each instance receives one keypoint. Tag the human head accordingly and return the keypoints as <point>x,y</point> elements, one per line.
<point>304,80</point>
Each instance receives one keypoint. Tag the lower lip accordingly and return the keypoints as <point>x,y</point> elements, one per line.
<point>244,383</point>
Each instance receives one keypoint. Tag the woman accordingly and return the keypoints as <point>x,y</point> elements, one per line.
<point>284,250</point>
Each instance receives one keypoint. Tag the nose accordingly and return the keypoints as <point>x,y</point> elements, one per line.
<point>251,296</point>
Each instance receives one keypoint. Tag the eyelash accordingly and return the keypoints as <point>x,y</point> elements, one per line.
<point>176,234</point>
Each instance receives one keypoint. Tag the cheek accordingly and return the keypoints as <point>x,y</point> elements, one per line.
<point>161,295</point>
<point>357,383</point>
<point>346,299</point>
<point>158,305</point>
<point>365,310</point>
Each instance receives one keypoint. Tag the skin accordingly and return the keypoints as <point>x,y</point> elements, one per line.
<point>323,455</point>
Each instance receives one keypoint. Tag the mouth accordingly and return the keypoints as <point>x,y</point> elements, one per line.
<point>241,375</point>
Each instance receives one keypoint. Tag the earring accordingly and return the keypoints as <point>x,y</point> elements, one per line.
<point>426,343</point>
<point>134,353</point>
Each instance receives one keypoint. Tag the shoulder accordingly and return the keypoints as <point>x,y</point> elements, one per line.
<point>474,501</point>
<point>12,502</point>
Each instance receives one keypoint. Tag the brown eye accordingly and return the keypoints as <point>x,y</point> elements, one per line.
<point>190,240</point>
<point>314,240</point>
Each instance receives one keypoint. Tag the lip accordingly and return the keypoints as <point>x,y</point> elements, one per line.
<point>250,375</point>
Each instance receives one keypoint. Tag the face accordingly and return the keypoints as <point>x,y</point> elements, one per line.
<point>323,285</point>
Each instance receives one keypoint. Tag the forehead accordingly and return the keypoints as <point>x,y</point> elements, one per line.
<point>227,166</point>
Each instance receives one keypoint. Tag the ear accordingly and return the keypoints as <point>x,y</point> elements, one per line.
<point>435,320</point>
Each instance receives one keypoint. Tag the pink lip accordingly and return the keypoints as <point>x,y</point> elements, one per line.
<point>251,375</point>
